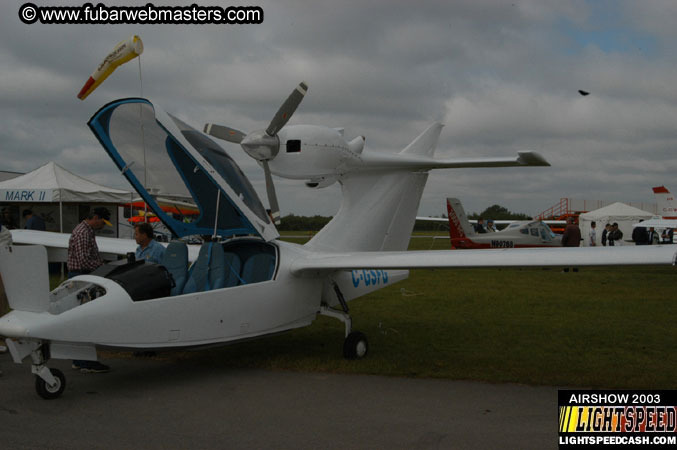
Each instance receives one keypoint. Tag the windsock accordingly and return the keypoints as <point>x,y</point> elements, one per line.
<point>123,52</point>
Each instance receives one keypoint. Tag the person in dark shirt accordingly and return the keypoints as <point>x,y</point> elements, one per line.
<point>83,257</point>
<point>572,234</point>
<point>571,238</point>
<point>33,222</point>
<point>666,236</point>
<point>605,233</point>
<point>614,235</point>
<point>640,236</point>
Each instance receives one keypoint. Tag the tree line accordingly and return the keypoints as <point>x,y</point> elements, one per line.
<point>293,222</point>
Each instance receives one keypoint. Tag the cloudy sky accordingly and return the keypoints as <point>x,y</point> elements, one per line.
<point>502,76</point>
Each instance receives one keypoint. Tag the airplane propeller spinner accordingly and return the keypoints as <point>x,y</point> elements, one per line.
<point>263,145</point>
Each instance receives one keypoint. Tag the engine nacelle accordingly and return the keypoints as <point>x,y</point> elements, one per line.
<point>314,153</point>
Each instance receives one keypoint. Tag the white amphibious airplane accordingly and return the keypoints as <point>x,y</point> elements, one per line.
<point>246,282</point>
<point>518,234</point>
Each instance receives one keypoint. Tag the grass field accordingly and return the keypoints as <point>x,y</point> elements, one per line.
<point>600,327</point>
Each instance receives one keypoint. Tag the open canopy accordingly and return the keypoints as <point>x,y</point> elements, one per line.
<point>162,157</point>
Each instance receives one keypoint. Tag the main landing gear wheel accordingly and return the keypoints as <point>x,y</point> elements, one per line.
<point>355,346</point>
<point>51,392</point>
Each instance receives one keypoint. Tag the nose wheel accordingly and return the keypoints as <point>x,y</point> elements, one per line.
<point>55,389</point>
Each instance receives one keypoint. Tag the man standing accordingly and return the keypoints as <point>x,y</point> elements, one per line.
<point>592,235</point>
<point>83,257</point>
<point>571,237</point>
<point>83,253</point>
<point>666,236</point>
<point>33,222</point>
<point>605,233</point>
<point>640,235</point>
<point>615,235</point>
<point>572,234</point>
<point>149,249</point>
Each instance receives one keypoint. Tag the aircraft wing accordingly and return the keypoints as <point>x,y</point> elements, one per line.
<point>532,257</point>
<point>57,245</point>
<point>657,223</point>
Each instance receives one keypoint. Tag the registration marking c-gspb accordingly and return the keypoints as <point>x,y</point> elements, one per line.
<point>370,277</point>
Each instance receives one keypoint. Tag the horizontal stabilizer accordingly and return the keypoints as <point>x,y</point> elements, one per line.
<point>531,159</point>
<point>415,162</point>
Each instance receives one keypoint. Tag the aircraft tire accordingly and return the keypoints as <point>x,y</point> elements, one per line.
<point>51,392</point>
<point>355,346</point>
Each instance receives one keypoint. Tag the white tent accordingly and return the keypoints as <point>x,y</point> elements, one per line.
<point>53,184</point>
<point>621,213</point>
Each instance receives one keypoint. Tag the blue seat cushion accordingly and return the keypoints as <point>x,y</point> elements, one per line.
<point>175,261</point>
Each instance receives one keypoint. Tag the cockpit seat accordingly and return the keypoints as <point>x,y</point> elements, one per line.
<point>175,261</point>
<point>233,266</point>
<point>258,267</point>
<point>216,276</point>
<point>208,271</point>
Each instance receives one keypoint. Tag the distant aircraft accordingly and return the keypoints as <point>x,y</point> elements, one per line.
<point>583,93</point>
<point>667,205</point>
<point>517,234</point>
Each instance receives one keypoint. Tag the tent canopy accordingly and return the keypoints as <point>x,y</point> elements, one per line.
<point>53,183</point>
<point>624,215</point>
<point>619,210</point>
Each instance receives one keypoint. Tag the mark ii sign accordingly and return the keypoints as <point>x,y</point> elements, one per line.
<point>26,195</point>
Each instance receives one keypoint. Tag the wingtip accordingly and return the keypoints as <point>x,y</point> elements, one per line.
<point>532,159</point>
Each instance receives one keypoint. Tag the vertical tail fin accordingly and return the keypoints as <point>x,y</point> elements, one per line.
<point>426,142</point>
<point>459,225</point>
<point>667,206</point>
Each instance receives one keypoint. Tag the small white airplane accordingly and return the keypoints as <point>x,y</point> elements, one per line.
<point>518,234</point>
<point>245,283</point>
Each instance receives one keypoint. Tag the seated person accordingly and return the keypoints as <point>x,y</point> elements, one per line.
<point>149,249</point>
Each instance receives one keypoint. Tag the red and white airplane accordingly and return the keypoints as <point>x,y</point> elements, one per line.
<point>519,234</point>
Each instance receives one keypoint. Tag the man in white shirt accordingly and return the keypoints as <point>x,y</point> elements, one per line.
<point>592,235</point>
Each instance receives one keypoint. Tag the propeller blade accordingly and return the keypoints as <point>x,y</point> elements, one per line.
<point>287,109</point>
<point>272,197</point>
<point>225,133</point>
